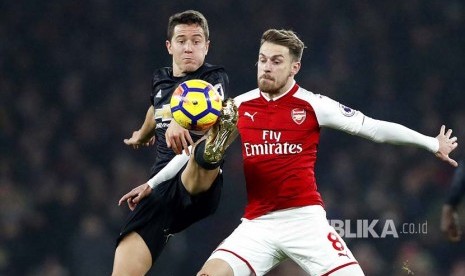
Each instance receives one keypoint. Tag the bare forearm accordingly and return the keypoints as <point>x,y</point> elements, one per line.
<point>147,128</point>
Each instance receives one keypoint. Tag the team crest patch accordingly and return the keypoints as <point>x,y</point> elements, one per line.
<point>346,111</point>
<point>298,115</point>
<point>219,88</point>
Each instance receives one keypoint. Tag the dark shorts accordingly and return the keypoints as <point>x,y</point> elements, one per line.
<point>168,210</point>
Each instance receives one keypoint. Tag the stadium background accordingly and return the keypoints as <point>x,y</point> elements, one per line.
<point>75,80</point>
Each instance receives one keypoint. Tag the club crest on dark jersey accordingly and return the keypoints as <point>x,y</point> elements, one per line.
<point>219,88</point>
<point>298,115</point>
<point>346,111</point>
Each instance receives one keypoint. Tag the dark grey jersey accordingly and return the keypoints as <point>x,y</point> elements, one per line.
<point>163,86</point>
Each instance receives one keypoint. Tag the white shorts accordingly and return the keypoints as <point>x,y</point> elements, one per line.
<point>302,234</point>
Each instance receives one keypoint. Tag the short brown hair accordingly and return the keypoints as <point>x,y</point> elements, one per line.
<point>188,17</point>
<point>285,38</point>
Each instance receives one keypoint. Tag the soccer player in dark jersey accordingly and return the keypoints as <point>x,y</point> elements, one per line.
<point>279,125</point>
<point>449,217</point>
<point>194,192</point>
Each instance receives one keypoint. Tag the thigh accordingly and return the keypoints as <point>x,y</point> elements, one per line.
<point>249,248</point>
<point>312,243</point>
<point>132,256</point>
<point>151,219</point>
<point>192,208</point>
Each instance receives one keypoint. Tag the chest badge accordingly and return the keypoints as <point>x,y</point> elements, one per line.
<point>298,115</point>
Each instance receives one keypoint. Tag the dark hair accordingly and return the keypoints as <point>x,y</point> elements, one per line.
<point>188,17</point>
<point>285,38</point>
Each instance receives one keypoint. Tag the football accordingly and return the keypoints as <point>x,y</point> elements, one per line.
<point>195,105</point>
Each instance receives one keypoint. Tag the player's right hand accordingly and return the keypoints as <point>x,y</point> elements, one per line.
<point>135,196</point>
<point>135,141</point>
<point>178,138</point>
<point>450,223</point>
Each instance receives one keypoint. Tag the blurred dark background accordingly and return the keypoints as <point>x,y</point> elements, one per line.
<point>75,80</point>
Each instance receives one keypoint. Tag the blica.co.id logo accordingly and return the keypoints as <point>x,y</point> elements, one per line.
<point>374,228</point>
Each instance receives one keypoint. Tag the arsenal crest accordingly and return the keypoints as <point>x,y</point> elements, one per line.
<point>298,115</point>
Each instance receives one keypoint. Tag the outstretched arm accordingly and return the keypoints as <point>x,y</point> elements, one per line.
<point>144,136</point>
<point>387,132</point>
<point>169,171</point>
<point>335,115</point>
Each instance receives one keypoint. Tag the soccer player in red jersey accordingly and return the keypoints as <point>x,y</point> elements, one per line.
<point>279,124</point>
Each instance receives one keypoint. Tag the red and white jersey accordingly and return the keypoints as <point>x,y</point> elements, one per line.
<point>279,146</point>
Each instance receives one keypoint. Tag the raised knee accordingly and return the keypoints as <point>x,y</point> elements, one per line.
<point>197,180</point>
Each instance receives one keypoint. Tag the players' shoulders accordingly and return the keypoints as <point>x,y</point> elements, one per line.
<point>163,72</point>
<point>318,102</point>
<point>247,96</point>
<point>205,71</point>
<point>308,95</point>
<point>208,69</point>
<point>209,66</point>
<point>162,75</point>
<point>213,74</point>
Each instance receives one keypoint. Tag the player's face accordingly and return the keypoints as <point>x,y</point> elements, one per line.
<point>276,69</point>
<point>188,47</point>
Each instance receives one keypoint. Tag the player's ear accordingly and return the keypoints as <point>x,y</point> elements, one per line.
<point>295,67</point>
<point>168,47</point>
<point>207,45</point>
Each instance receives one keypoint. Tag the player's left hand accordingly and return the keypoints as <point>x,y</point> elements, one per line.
<point>450,223</point>
<point>136,141</point>
<point>135,196</point>
<point>446,145</point>
<point>178,138</point>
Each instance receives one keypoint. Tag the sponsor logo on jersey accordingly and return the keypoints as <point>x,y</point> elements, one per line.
<point>271,145</point>
<point>162,125</point>
<point>247,114</point>
<point>298,115</point>
<point>346,111</point>
<point>163,113</point>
